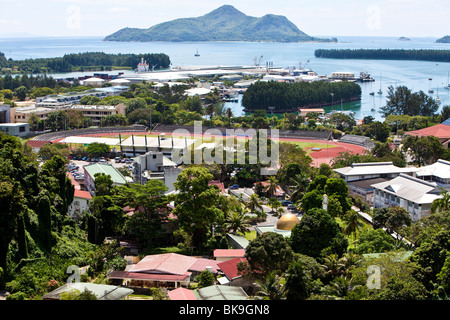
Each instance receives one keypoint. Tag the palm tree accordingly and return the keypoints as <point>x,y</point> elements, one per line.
<point>236,221</point>
<point>441,204</point>
<point>229,114</point>
<point>272,187</point>
<point>209,110</point>
<point>300,184</point>
<point>332,265</point>
<point>348,262</point>
<point>271,288</point>
<point>274,204</point>
<point>254,205</point>
<point>353,223</point>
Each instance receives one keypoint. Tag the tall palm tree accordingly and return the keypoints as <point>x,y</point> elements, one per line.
<point>441,204</point>
<point>353,223</point>
<point>272,187</point>
<point>254,205</point>
<point>209,110</point>
<point>298,189</point>
<point>229,115</point>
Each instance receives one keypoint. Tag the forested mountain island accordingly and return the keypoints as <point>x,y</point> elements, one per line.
<point>225,23</point>
<point>445,39</point>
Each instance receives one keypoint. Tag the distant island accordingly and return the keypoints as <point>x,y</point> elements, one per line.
<point>385,54</point>
<point>445,39</point>
<point>404,39</point>
<point>225,23</point>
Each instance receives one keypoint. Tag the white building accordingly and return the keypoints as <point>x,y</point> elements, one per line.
<point>362,171</point>
<point>413,194</point>
<point>342,75</point>
<point>15,129</point>
<point>438,172</point>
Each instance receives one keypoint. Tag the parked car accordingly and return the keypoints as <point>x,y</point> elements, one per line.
<point>286,202</point>
<point>291,207</point>
<point>233,187</point>
<point>117,159</point>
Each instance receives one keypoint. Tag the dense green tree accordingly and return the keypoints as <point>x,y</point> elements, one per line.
<point>401,101</point>
<point>205,279</point>
<point>296,286</point>
<point>423,150</point>
<point>97,149</point>
<point>374,241</point>
<point>316,234</point>
<point>150,211</point>
<point>196,203</point>
<point>268,253</point>
<point>378,131</point>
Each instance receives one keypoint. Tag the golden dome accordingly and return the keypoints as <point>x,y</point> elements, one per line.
<point>287,222</point>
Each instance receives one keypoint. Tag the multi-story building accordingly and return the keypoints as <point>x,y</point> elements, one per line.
<point>411,193</point>
<point>94,112</point>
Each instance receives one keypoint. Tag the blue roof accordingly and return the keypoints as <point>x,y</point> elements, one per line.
<point>447,122</point>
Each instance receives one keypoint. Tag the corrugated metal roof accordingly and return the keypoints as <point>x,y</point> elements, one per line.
<point>219,292</point>
<point>101,291</point>
<point>107,169</point>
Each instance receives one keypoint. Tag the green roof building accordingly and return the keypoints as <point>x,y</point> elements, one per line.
<point>91,170</point>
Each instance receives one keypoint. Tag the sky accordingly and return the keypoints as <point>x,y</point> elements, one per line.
<point>409,18</point>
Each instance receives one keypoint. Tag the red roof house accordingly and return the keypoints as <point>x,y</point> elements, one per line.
<point>164,268</point>
<point>229,268</point>
<point>440,131</point>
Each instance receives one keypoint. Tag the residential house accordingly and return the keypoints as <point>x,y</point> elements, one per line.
<point>170,270</point>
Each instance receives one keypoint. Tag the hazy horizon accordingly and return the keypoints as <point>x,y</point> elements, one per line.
<point>83,18</point>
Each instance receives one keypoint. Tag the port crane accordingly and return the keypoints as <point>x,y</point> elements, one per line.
<point>258,62</point>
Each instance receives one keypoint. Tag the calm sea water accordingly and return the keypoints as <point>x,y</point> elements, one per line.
<point>413,74</point>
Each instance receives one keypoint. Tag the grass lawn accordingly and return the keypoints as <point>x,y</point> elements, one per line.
<point>250,235</point>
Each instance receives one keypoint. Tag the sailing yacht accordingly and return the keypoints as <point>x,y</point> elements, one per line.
<point>380,91</point>
<point>196,54</point>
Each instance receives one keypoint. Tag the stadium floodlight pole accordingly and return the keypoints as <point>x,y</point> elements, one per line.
<point>271,108</point>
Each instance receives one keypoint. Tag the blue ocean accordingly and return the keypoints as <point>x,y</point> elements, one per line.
<point>414,74</point>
